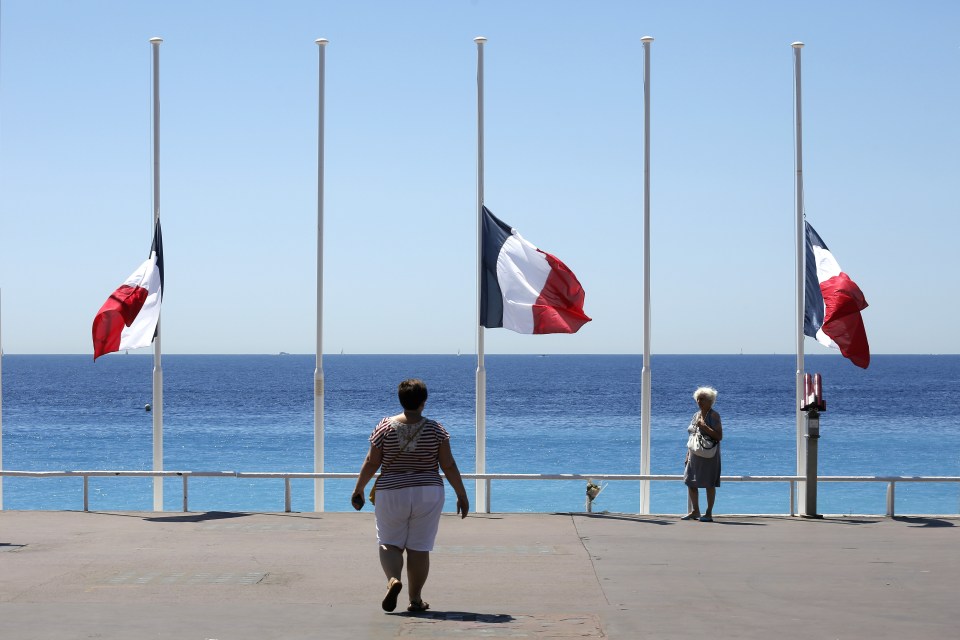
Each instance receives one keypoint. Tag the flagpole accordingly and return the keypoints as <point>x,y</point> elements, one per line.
<point>645,374</point>
<point>1,398</point>
<point>318,431</point>
<point>800,275</point>
<point>482,495</point>
<point>157,365</point>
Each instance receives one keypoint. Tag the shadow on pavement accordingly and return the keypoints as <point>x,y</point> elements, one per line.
<point>621,516</point>
<point>738,523</point>
<point>924,522</point>
<point>846,521</point>
<point>199,517</point>
<point>303,515</point>
<point>458,616</point>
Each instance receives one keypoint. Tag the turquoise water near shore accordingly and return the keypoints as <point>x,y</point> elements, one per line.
<point>545,414</point>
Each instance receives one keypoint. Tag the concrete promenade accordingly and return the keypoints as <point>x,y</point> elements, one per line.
<point>237,576</point>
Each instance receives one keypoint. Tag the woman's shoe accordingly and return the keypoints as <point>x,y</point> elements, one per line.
<point>393,590</point>
<point>418,607</point>
<point>706,519</point>
<point>693,515</point>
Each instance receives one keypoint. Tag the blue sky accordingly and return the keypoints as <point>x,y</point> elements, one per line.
<point>564,165</point>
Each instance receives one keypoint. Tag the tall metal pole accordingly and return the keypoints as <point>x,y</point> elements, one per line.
<point>1,399</point>
<point>482,495</point>
<point>318,431</point>
<point>157,365</point>
<point>645,373</point>
<point>800,275</point>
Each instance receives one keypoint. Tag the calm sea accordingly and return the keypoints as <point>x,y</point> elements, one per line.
<point>546,414</point>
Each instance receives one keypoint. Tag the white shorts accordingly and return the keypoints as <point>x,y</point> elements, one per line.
<point>408,518</point>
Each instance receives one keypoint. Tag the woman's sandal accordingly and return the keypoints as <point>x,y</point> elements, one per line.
<point>393,590</point>
<point>418,606</point>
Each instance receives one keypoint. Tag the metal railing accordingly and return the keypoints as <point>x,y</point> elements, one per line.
<point>793,481</point>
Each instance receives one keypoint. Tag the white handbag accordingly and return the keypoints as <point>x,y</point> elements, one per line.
<point>700,444</point>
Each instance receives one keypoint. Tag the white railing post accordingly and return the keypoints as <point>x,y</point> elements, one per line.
<point>286,494</point>
<point>793,498</point>
<point>86,493</point>
<point>891,489</point>
<point>185,476</point>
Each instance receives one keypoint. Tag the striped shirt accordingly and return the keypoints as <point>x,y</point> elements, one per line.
<point>419,463</point>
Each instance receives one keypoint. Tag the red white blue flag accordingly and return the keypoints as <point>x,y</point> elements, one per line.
<point>523,288</point>
<point>833,303</point>
<point>129,317</point>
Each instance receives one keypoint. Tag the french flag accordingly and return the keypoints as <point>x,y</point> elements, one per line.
<point>523,288</point>
<point>129,317</point>
<point>833,303</point>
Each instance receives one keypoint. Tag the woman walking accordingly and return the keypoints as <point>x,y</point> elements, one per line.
<point>410,448</point>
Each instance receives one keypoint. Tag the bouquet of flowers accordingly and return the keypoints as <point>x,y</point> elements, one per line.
<point>593,490</point>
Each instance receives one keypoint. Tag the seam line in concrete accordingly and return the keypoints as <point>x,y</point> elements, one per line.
<point>593,565</point>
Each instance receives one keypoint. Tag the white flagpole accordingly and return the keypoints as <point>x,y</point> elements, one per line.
<point>645,374</point>
<point>801,275</point>
<point>1,399</point>
<point>482,495</point>
<point>318,434</point>
<point>157,366</point>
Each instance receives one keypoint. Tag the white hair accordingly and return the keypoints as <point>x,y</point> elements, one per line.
<point>705,392</point>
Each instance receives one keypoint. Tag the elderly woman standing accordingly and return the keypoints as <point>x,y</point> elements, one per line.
<point>702,472</point>
<point>409,491</point>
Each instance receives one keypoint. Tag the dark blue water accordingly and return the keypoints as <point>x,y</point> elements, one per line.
<point>553,414</point>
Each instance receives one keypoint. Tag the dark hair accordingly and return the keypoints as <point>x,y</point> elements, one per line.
<point>412,393</point>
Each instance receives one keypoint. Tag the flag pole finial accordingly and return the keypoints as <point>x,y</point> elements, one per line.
<point>646,39</point>
<point>322,42</point>
<point>156,40</point>
<point>480,39</point>
<point>797,45</point>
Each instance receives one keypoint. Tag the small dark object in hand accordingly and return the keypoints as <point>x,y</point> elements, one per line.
<point>357,501</point>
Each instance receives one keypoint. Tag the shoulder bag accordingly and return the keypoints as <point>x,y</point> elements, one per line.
<point>700,444</point>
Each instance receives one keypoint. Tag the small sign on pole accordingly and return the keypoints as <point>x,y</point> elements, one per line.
<point>812,405</point>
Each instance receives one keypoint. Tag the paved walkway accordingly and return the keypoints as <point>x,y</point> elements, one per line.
<point>234,576</point>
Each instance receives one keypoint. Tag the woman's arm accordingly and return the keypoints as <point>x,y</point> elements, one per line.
<point>450,469</point>
<point>716,431</point>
